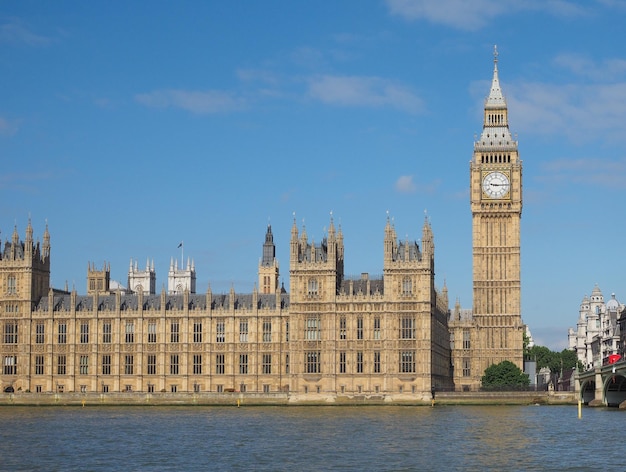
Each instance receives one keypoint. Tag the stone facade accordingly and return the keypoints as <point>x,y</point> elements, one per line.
<point>494,330</point>
<point>331,335</point>
<point>598,332</point>
<point>391,335</point>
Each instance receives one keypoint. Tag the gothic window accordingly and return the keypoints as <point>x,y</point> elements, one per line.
<point>174,364</point>
<point>219,364</point>
<point>407,361</point>
<point>10,332</point>
<point>377,327</point>
<point>243,331</point>
<point>39,365</point>
<point>243,363</point>
<point>466,367</point>
<point>84,365</point>
<point>407,286</point>
<point>62,337</point>
<point>342,327</point>
<point>84,332</point>
<point>152,332</point>
<point>312,329</point>
<point>39,333</point>
<point>377,362</point>
<point>61,364</point>
<point>312,288</point>
<point>130,332</point>
<point>312,362</point>
<point>10,365</point>
<point>11,285</point>
<point>197,332</point>
<point>267,363</point>
<point>106,364</point>
<point>267,331</point>
<point>106,332</point>
<point>174,332</point>
<point>466,339</point>
<point>359,327</point>
<point>342,362</point>
<point>152,370</point>
<point>197,364</point>
<point>407,327</point>
<point>359,362</point>
<point>220,332</point>
<point>128,364</point>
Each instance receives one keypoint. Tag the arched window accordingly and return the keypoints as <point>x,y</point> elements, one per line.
<point>312,287</point>
<point>407,286</point>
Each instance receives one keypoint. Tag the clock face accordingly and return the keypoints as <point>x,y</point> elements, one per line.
<point>496,184</point>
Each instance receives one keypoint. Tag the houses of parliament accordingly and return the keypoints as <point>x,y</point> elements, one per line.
<point>331,335</point>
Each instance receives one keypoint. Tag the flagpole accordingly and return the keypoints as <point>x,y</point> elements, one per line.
<point>182,257</point>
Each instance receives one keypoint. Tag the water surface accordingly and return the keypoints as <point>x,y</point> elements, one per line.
<point>300,438</point>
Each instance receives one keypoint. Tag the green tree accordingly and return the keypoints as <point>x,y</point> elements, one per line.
<point>504,376</point>
<point>570,360</point>
<point>555,361</point>
<point>542,355</point>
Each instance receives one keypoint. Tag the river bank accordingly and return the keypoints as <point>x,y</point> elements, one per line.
<point>274,399</point>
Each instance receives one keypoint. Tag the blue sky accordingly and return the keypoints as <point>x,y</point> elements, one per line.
<point>132,126</point>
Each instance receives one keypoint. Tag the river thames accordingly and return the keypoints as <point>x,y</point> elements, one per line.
<point>299,438</point>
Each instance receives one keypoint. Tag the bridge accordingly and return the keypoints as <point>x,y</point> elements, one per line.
<point>603,386</point>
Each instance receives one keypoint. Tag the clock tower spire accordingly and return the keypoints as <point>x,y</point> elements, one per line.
<point>496,205</point>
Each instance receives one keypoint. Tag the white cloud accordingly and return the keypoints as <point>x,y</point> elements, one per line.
<point>405,184</point>
<point>200,102</point>
<point>605,173</point>
<point>475,14</point>
<point>15,32</point>
<point>364,92</point>
<point>583,66</point>
<point>581,112</point>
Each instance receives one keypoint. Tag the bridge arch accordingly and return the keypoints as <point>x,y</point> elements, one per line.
<point>614,389</point>
<point>588,391</point>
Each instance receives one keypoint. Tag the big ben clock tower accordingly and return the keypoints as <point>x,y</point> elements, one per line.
<point>496,203</point>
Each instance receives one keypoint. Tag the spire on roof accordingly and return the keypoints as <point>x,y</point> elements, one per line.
<point>495,98</point>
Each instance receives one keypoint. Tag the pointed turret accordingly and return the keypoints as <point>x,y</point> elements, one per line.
<point>390,239</point>
<point>28,242</point>
<point>293,244</point>
<point>268,267</point>
<point>496,134</point>
<point>428,245</point>
<point>269,249</point>
<point>45,254</point>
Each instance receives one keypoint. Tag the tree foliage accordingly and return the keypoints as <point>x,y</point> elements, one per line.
<point>503,376</point>
<point>555,361</point>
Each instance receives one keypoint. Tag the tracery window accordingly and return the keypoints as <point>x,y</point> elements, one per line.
<point>267,330</point>
<point>407,361</point>
<point>10,332</point>
<point>39,333</point>
<point>407,327</point>
<point>243,331</point>
<point>220,332</point>
<point>197,332</point>
<point>84,332</point>
<point>312,287</point>
<point>312,332</point>
<point>312,362</point>
<point>407,286</point>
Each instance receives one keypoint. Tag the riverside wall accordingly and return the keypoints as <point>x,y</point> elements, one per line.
<point>276,399</point>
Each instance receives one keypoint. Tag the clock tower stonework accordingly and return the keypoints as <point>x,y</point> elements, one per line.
<point>496,205</point>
